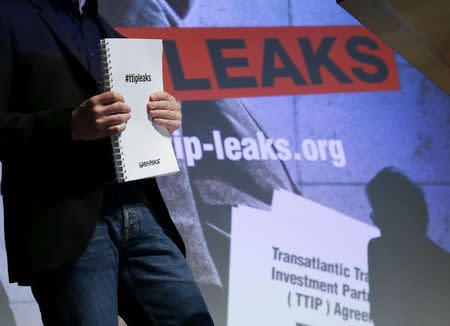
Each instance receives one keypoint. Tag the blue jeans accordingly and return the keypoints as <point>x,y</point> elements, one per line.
<point>131,268</point>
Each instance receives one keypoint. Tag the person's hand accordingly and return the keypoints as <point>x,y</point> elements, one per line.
<point>164,110</point>
<point>100,116</point>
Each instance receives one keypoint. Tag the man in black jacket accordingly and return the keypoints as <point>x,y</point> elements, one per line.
<point>90,249</point>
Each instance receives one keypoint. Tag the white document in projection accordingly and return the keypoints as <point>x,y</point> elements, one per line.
<point>299,264</point>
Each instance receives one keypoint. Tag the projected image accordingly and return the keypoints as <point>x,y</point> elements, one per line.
<point>239,151</point>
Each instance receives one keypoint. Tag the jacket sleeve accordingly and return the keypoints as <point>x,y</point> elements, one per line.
<point>22,132</point>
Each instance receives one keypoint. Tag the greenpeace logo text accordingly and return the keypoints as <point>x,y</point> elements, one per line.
<point>138,78</point>
<point>149,163</point>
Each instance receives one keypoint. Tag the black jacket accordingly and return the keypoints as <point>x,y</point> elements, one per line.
<point>52,186</point>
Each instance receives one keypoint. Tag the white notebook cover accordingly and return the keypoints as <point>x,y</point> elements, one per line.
<point>144,149</point>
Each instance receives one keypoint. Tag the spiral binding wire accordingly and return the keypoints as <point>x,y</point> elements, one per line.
<point>121,172</point>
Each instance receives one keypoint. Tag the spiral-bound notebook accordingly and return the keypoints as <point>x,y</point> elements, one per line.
<point>133,67</point>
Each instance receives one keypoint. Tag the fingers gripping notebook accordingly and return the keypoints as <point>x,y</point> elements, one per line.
<point>133,68</point>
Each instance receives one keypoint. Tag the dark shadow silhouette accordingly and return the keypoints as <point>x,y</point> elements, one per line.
<point>6,315</point>
<point>409,274</point>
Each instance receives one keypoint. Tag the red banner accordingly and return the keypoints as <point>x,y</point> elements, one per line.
<point>212,63</point>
